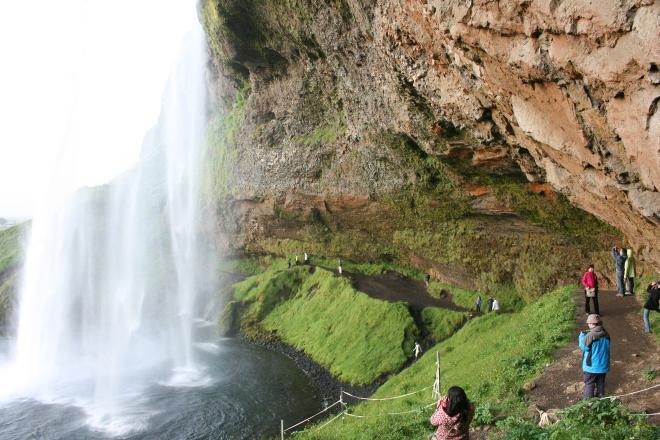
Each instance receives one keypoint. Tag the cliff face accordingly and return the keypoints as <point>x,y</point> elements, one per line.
<point>353,104</point>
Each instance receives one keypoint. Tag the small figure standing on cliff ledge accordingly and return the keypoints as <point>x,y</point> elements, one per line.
<point>629,273</point>
<point>496,306</point>
<point>619,255</point>
<point>478,305</point>
<point>427,280</point>
<point>417,350</point>
<point>306,258</point>
<point>590,283</point>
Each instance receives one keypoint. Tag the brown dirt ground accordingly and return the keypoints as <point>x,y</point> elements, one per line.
<point>632,351</point>
<point>394,287</point>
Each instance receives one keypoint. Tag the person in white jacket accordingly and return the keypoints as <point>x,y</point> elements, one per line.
<point>496,305</point>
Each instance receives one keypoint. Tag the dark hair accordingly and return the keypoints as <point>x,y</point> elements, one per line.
<point>457,402</point>
<point>591,266</point>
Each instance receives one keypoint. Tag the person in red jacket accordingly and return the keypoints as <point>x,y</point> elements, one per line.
<point>453,416</point>
<point>590,283</point>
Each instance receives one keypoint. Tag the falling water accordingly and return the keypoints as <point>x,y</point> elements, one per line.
<point>111,282</point>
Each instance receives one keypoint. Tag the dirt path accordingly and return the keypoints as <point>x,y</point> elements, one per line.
<point>394,287</point>
<point>632,351</point>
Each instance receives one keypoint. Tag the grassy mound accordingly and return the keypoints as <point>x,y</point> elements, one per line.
<point>491,357</point>
<point>356,337</point>
<point>442,323</point>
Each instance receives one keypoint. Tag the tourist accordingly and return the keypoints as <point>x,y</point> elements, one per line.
<point>417,350</point>
<point>596,357</point>
<point>490,304</point>
<point>288,263</point>
<point>339,269</point>
<point>629,273</point>
<point>619,256</point>
<point>496,305</point>
<point>478,308</point>
<point>296,260</point>
<point>590,282</point>
<point>427,279</point>
<point>452,416</point>
<point>306,258</point>
<point>651,303</point>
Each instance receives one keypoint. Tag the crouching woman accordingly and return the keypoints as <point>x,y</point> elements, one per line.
<point>453,416</point>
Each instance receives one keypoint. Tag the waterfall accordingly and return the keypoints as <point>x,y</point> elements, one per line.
<point>112,275</point>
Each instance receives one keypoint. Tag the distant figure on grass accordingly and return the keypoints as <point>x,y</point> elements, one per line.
<point>306,258</point>
<point>620,257</point>
<point>296,260</point>
<point>478,308</point>
<point>427,280</point>
<point>490,304</point>
<point>339,269</point>
<point>496,305</point>
<point>651,303</point>
<point>417,350</point>
<point>629,273</point>
<point>595,345</point>
<point>590,283</point>
<point>288,262</point>
<point>452,416</point>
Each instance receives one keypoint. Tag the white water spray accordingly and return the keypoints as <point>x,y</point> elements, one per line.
<point>111,288</point>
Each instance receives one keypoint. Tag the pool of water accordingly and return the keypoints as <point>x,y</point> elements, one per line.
<point>249,389</point>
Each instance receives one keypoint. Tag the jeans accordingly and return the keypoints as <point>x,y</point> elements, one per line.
<point>587,309</point>
<point>620,285</point>
<point>594,385</point>
<point>647,324</point>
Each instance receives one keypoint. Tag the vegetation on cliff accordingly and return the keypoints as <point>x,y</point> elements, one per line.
<point>357,338</point>
<point>11,254</point>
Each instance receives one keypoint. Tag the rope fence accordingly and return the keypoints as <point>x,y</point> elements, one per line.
<point>630,394</point>
<point>435,394</point>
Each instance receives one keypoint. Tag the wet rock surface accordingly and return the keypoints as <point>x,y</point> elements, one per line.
<point>564,92</point>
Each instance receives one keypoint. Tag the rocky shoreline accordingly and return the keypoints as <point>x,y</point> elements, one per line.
<point>325,384</point>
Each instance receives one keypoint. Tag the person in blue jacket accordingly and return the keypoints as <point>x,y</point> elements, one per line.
<point>619,255</point>
<point>595,345</point>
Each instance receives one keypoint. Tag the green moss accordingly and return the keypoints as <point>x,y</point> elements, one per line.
<point>491,357</point>
<point>326,133</point>
<point>356,337</point>
<point>442,323</point>
<point>221,145</point>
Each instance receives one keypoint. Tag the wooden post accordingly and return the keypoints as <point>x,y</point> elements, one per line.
<point>282,428</point>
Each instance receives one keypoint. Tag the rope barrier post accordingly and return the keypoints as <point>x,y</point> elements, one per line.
<point>436,383</point>
<point>282,428</point>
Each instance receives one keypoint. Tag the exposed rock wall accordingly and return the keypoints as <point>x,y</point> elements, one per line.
<point>564,91</point>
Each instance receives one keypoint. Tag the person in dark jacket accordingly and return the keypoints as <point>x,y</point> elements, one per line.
<point>620,257</point>
<point>595,345</point>
<point>652,303</point>
<point>590,283</point>
<point>490,304</point>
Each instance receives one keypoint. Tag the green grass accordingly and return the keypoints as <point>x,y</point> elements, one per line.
<point>442,323</point>
<point>491,357</point>
<point>357,338</point>
<point>507,296</point>
<point>594,419</point>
